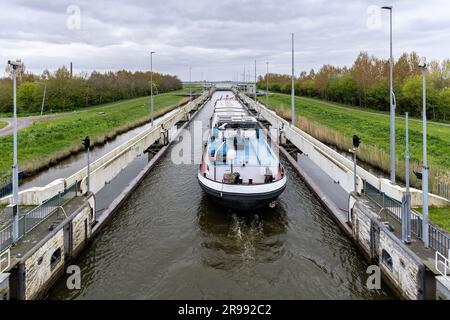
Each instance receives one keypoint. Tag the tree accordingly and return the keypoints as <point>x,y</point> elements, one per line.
<point>307,88</point>
<point>406,66</point>
<point>343,89</point>
<point>27,99</point>
<point>323,77</point>
<point>6,95</point>
<point>366,71</point>
<point>444,104</point>
<point>411,91</point>
<point>378,95</point>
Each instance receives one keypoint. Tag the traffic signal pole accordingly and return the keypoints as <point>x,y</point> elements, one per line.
<point>87,143</point>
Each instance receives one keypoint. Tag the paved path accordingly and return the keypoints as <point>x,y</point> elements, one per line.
<point>23,122</point>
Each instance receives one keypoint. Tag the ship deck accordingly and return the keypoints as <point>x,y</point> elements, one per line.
<point>237,145</point>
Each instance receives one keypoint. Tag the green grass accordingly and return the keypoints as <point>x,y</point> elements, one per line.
<point>3,124</point>
<point>46,141</point>
<point>380,112</point>
<point>195,88</point>
<point>374,130</point>
<point>439,216</point>
<point>47,112</point>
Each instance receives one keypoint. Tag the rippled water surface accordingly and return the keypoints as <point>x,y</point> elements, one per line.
<point>169,240</point>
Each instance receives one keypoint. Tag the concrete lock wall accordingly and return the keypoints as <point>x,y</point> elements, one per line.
<point>40,267</point>
<point>295,135</point>
<point>4,286</point>
<point>402,268</point>
<point>331,167</point>
<point>442,288</point>
<point>362,225</point>
<point>82,228</point>
<point>113,166</point>
<point>36,195</point>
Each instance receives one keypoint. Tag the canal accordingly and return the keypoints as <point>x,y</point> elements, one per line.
<point>170,241</point>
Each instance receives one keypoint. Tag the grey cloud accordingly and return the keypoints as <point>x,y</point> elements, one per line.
<point>216,38</point>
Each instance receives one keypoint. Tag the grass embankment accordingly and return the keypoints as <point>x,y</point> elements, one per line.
<point>337,126</point>
<point>3,124</point>
<point>196,88</point>
<point>46,142</point>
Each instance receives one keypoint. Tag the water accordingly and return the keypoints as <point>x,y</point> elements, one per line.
<point>169,241</point>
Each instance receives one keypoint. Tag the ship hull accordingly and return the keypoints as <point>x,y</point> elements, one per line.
<point>242,197</point>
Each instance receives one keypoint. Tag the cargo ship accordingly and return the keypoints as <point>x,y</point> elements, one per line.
<point>239,169</point>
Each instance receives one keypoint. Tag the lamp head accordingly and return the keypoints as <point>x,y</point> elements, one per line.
<point>387,7</point>
<point>15,64</point>
<point>231,154</point>
<point>423,62</point>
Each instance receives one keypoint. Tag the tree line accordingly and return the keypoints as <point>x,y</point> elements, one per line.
<point>64,92</point>
<point>366,84</point>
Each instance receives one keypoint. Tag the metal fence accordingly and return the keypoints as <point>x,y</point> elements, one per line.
<point>443,190</point>
<point>6,185</point>
<point>438,239</point>
<point>34,217</point>
<point>394,207</point>
<point>5,188</point>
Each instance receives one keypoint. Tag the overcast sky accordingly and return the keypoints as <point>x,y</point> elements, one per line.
<point>217,38</point>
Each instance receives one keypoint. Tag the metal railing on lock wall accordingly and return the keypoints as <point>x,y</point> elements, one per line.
<point>438,239</point>
<point>5,188</point>
<point>35,216</point>
<point>443,190</point>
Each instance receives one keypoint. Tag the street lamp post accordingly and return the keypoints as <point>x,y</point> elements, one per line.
<point>267,85</point>
<point>14,66</point>
<point>425,239</point>
<point>406,201</point>
<point>151,87</point>
<point>190,83</point>
<point>87,145</point>
<point>391,97</point>
<point>356,142</point>
<point>292,84</point>
<point>255,82</point>
<point>43,98</point>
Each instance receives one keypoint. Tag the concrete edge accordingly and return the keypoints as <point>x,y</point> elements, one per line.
<point>55,230</point>
<point>322,198</point>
